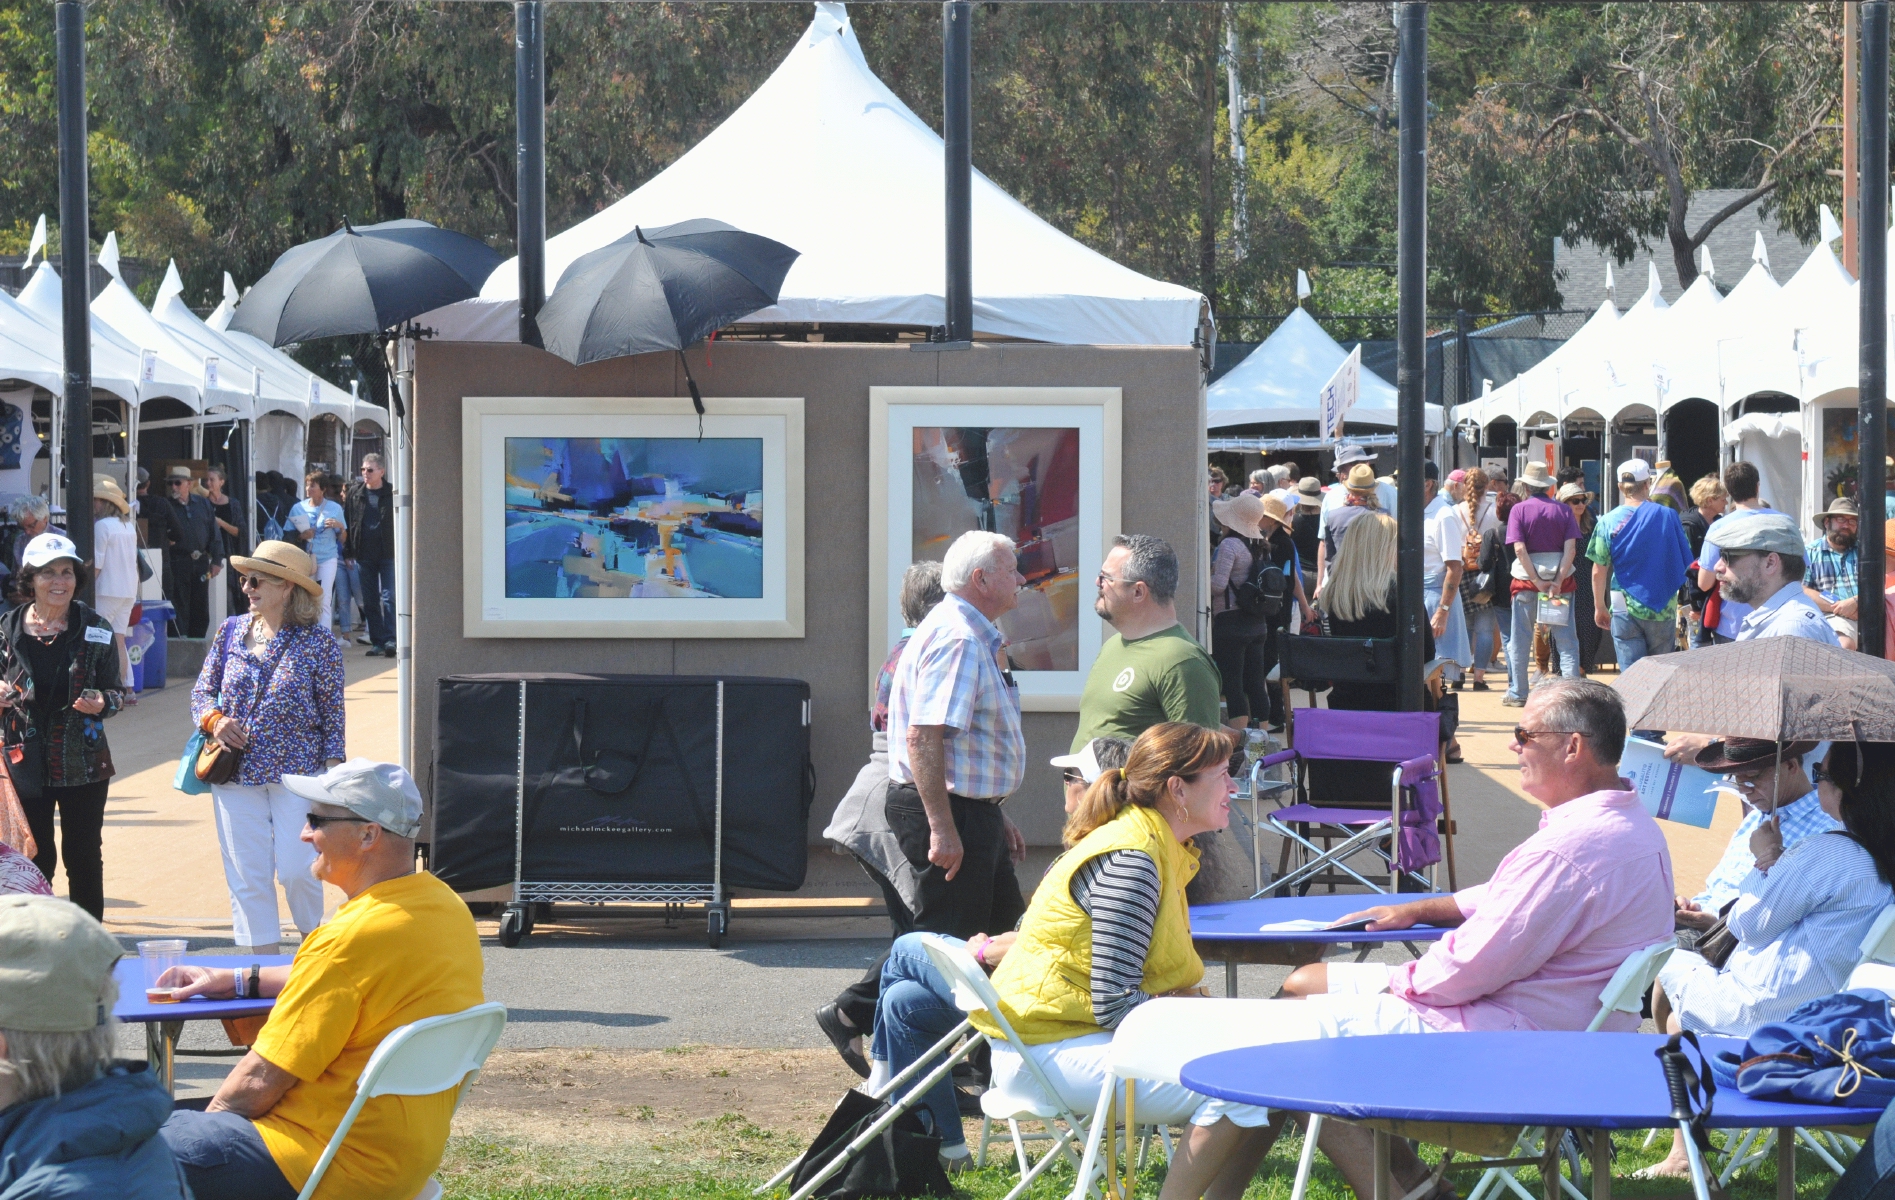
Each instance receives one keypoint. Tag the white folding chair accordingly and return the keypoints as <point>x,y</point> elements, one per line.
<point>419,1059</point>
<point>1875,968</point>
<point>974,993</point>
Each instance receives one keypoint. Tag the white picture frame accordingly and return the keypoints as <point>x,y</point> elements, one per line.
<point>894,415</point>
<point>489,612</point>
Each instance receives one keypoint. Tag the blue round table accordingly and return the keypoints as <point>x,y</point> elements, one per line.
<point>1232,933</point>
<point>164,1023</point>
<point>1559,1080</point>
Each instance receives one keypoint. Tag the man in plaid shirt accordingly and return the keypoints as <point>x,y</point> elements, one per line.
<point>955,749</point>
<point>1830,578</point>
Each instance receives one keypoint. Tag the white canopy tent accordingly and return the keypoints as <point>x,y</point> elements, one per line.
<point>1626,370</point>
<point>1541,381</point>
<point>1281,379</point>
<point>1741,341</point>
<point>116,359</point>
<point>826,159</point>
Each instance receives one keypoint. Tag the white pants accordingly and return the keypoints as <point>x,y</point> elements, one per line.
<point>259,830</point>
<point>1164,1034</point>
<point>326,575</point>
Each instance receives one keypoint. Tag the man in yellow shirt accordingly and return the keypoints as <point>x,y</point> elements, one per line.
<point>401,948</point>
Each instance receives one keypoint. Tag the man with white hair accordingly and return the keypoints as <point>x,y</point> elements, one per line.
<point>955,749</point>
<point>72,1121</point>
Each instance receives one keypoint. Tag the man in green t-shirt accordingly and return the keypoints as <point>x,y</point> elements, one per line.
<point>1150,671</point>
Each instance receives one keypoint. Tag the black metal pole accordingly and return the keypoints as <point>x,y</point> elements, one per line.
<point>1872,292</point>
<point>957,131</point>
<point>75,269</point>
<point>529,110</point>
<point>1411,342</point>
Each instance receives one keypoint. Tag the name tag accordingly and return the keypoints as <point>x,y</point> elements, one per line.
<point>102,636</point>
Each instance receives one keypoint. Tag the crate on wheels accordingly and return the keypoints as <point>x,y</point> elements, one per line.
<point>616,789</point>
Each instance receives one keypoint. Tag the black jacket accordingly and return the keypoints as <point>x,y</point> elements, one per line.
<point>368,543</point>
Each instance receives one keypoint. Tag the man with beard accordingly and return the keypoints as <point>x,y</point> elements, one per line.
<point>1152,670</point>
<point>1830,582</point>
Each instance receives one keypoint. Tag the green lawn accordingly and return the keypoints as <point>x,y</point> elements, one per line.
<point>723,1159</point>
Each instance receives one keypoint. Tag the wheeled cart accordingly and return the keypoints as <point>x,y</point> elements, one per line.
<point>621,789</point>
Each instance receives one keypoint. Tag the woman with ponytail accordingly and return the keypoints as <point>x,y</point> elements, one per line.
<point>1108,927</point>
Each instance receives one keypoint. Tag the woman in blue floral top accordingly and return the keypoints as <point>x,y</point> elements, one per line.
<point>271,687</point>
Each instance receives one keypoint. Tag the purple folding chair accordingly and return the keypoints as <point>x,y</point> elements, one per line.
<point>1402,832</point>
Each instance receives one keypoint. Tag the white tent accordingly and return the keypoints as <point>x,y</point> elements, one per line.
<point>275,387</point>
<point>1280,380</point>
<point>116,359</point>
<point>225,386</point>
<point>1630,370</point>
<point>826,159</point>
<point>1740,343</point>
<point>1511,399</point>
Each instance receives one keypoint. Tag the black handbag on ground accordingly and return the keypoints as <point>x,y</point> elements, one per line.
<point>905,1160</point>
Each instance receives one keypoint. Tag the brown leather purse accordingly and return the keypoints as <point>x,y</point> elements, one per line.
<point>216,762</point>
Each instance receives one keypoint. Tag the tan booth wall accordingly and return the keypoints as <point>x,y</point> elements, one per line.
<point>1162,493</point>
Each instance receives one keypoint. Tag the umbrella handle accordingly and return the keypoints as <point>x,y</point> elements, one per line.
<point>697,398</point>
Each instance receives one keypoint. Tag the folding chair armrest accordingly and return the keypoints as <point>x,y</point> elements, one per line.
<point>1417,769</point>
<point>1271,760</point>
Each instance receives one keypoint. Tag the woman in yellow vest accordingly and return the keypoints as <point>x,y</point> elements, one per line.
<point>1108,929</point>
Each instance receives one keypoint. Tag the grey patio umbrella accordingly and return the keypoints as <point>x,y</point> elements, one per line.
<point>1781,689</point>
<point>661,289</point>
<point>363,279</point>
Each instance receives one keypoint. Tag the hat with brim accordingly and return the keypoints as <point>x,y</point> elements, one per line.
<point>178,473</point>
<point>1309,492</point>
<point>1277,511</point>
<point>282,560</point>
<point>1242,514</point>
<point>1082,760</point>
<point>1536,476</point>
<point>48,548</point>
<point>1575,491</point>
<point>1841,506</point>
<point>378,792</point>
<point>1766,533</point>
<point>1349,452</point>
<point>106,488</point>
<point>1361,478</point>
<point>55,966</point>
<point>1734,754</point>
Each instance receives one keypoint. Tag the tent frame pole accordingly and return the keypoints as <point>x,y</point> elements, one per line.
<point>957,135</point>
<point>529,107</point>
<point>75,245</point>
<point>1411,345</point>
<point>1872,293</point>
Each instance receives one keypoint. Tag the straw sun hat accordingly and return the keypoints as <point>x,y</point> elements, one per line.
<point>284,561</point>
<point>106,488</point>
<point>1242,514</point>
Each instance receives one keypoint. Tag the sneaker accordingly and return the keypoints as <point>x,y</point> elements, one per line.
<point>958,1164</point>
<point>1512,702</point>
<point>364,641</point>
<point>374,651</point>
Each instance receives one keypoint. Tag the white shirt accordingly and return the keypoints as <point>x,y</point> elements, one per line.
<point>1443,536</point>
<point>115,551</point>
<point>1789,613</point>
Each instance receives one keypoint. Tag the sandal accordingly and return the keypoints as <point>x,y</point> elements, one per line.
<point>1454,752</point>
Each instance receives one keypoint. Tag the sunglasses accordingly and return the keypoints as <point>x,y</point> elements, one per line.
<point>255,581</point>
<point>1525,736</point>
<point>1820,774</point>
<point>317,822</point>
<point>1071,776</point>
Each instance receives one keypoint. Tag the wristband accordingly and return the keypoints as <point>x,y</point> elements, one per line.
<point>256,981</point>
<point>980,951</point>
<point>236,984</point>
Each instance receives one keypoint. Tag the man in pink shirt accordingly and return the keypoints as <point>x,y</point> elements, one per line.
<point>1532,948</point>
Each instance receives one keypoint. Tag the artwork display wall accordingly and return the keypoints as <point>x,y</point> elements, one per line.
<point>614,518</point>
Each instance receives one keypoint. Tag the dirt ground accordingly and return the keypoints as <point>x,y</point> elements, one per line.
<point>642,1096</point>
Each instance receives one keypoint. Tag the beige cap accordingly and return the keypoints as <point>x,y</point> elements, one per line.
<point>375,791</point>
<point>55,966</point>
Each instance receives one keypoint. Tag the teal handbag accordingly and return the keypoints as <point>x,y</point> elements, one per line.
<point>186,779</point>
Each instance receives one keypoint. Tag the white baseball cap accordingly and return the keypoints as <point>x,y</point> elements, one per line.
<point>1084,760</point>
<point>375,791</point>
<point>46,548</point>
<point>1636,470</point>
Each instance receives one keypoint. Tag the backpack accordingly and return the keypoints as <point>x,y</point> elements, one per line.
<point>1470,541</point>
<point>1262,594</point>
<point>272,530</point>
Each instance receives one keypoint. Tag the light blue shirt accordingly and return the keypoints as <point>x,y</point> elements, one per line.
<point>1800,819</point>
<point>1799,931</point>
<point>1789,613</point>
<point>1335,495</point>
<point>321,547</point>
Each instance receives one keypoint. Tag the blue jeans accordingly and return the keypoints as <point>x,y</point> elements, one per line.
<point>1634,638</point>
<point>378,599</point>
<point>1520,645</point>
<point>1482,623</point>
<point>224,1157</point>
<point>916,1010</point>
<point>348,588</point>
<point>1872,1175</point>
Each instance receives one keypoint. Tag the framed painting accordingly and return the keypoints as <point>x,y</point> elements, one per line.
<point>615,518</point>
<point>1040,465</point>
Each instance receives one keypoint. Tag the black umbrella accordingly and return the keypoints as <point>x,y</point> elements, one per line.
<point>661,290</point>
<point>362,280</point>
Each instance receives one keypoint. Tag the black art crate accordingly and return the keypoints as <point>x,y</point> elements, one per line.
<point>594,789</point>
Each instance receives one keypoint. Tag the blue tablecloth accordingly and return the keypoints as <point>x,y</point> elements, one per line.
<point>1588,1080</point>
<point>1242,920</point>
<point>132,1006</point>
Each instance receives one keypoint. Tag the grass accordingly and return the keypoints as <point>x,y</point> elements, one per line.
<point>723,1158</point>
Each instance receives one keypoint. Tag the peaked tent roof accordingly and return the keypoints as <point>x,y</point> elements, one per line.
<point>117,307</point>
<point>116,359</point>
<point>1280,380</point>
<point>276,388</point>
<point>826,159</point>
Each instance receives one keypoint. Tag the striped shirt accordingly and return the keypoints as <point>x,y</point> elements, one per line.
<point>1799,931</point>
<point>1800,819</point>
<point>1119,891</point>
<point>950,676</point>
